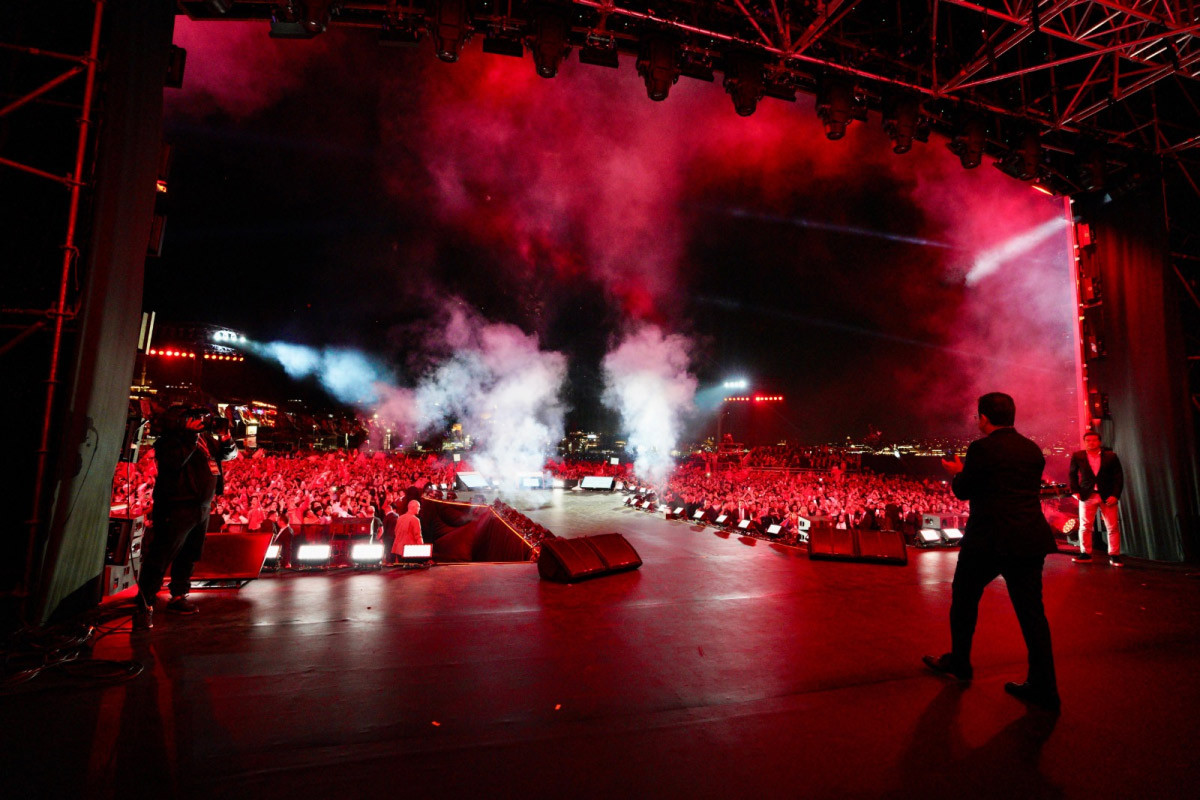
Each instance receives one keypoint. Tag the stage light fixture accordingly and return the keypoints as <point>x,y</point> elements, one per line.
<point>599,51</point>
<point>929,536</point>
<point>744,81</point>
<point>1093,166</point>
<point>904,122</point>
<point>450,29</point>
<point>550,45</point>
<point>658,64</point>
<point>366,554</point>
<point>399,35</point>
<point>1023,160</point>
<point>313,555</point>
<point>952,535</point>
<point>504,46</point>
<point>417,552</point>
<point>969,141</point>
<point>838,105</point>
<point>300,20</point>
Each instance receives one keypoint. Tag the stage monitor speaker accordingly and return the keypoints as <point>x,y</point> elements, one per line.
<point>882,547</point>
<point>570,560</point>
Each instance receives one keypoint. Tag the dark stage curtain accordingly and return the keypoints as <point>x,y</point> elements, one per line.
<point>1144,375</point>
<point>461,532</point>
<point>137,38</point>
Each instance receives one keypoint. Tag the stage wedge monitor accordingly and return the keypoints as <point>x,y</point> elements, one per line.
<point>471,480</point>
<point>571,560</point>
<point>597,482</point>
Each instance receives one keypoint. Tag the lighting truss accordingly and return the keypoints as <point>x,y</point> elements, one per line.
<point>1124,72</point>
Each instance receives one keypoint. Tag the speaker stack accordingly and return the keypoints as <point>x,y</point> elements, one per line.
<point>834,544</point>
<point>571,560</point>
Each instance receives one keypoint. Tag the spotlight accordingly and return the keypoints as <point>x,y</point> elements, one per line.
<point>1093,166</point>
<point>316,16</point>
<point>599,51</point>
<point>313,555</point>
<point>903,122</point>
<point>450,29</point>
<point>1024,159</point>
<point>952,535</point>
<point>744,81</point>
<point>929,537</point>
<point>969,141</point>
<point>550,43</point>
<point>271,560</point>
<point>366,554</point>
<point>658,64</point>
<point>299,20</point>
<point>837,106</point>
<point>416,552</point>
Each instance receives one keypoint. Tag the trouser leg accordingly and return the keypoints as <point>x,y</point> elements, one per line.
<point>972,574</point>
<point>1112,523</point>
<point>1087,522</point>
<point>1024,580</point>
<point>170,532</point>
<point>189,553</point>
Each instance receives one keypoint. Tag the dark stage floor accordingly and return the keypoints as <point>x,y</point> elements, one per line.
<point>723,668</point>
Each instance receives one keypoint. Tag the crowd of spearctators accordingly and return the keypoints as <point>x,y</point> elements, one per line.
<point>304,489</point>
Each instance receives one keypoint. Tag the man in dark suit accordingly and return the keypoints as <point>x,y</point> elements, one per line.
<point>388,534</point>
<point>1006,535</point>
<point>1096,481</point>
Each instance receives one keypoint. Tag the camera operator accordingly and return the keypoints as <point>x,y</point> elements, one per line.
<point>192,443</point>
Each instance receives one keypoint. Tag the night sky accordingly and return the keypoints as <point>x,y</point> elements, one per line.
<point>333,192</point>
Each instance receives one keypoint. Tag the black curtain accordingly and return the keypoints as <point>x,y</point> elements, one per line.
<point>137,38</point>
<point>1144,375</point>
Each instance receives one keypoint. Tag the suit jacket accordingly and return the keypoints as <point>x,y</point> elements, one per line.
<point>1108,483</point>
<point>1002,478</point>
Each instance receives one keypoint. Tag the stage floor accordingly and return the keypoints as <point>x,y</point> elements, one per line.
<point>724,667</point>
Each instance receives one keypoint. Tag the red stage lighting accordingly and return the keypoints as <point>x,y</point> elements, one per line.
<point>550,45</point>
<point>838,106</point>
<point>658,64</point>
<point>903,122</point>
<point>969,141</point>
<point>744,81</point>
<point>449,29</point>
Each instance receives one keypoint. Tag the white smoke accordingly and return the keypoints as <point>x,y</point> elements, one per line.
<point>501,386</point>
<point>492,378</point>
<point>647,381</point>
<point>349,375</point>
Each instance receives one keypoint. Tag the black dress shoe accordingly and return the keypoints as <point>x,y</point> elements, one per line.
<point>1116,561</point>
<point>947,665</point>
<point>1035,695</point>
<point>1082,558</point>
<point>143,618</point>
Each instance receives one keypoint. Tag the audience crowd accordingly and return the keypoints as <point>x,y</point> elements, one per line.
<point>772,485</point>
<point>845,499</point>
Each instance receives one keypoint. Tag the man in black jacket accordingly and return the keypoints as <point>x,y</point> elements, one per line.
<point>1006,535</point>
<point>1096,481</point>
<point>189,450</point>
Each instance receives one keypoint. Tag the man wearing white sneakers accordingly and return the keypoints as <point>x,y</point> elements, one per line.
<point>1097,481</point>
